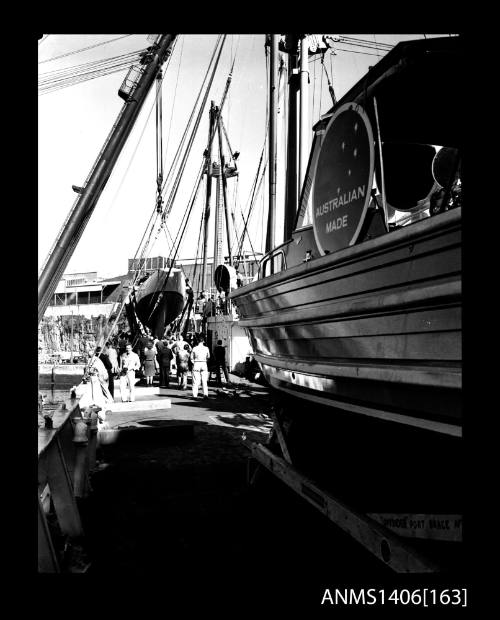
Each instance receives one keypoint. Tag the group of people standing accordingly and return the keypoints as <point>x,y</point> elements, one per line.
<point>156,355</point>
<point>107,364</point>
<point>189,358</point>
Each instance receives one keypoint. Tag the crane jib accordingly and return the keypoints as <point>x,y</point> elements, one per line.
<point>82,209</point>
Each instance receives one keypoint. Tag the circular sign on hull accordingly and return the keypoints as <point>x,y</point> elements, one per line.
<point>343,180</point>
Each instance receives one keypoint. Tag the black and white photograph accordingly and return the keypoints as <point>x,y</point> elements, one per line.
<point>250,316</point>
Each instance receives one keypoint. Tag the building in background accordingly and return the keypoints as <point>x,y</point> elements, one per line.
<point>85,294</point>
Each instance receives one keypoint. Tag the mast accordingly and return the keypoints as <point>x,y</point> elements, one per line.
<point>134,90</point>
<point>218,218</point>
<point>304,110</point>
<point>273,78</point>
<point>291,192</point>
<point>209,194</point>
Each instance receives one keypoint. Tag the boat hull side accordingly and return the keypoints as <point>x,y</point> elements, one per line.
<point>377,328</point>
<point>160,300</point>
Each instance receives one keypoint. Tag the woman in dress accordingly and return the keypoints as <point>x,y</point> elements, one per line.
<point>182,361</point>
<point>149,365</point>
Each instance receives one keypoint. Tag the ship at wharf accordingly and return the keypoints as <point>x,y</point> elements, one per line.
<point>340,427</point>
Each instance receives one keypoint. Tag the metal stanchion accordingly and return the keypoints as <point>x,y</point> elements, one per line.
<point>80,441</point>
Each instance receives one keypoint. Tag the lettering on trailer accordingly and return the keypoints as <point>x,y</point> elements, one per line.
<point>429,527</point>
<point>344,178</point>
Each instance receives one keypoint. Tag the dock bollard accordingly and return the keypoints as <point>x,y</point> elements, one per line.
<point>80,476</point>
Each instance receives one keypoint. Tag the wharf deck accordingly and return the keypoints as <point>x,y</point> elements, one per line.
<point>181,510</point>
<point>172,503</point>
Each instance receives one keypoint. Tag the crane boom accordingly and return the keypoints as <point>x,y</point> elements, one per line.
<point>134,90</point>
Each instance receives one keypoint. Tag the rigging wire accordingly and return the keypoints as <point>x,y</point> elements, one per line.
<point>232,59</point>
<point>89,64</point>
<point>180,233</point>
<point>199,243</point>
<point>168,238</point>
<point>66,82</point>
<point>367,43</point>
<point>56,80</point>
<point>125,174</point>
<point>138,272</point>
<point>340,49</point>
<point>320,95</point>
<point>83,49</point>
<point>174,99</point>
<point>159,142</point>
<point>330,87</point>
<point>314,92</point>
<point>48,81</point>
<point>173,192</point>
<point>184,136</point>
<point>73,207</point>
<point>241,77</point>
<point>166,211</point>
<point>227,138</point>
<point>253,196</point>
<point>145,246</point>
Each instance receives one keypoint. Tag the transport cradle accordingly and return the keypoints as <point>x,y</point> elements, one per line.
<point>385,535</point>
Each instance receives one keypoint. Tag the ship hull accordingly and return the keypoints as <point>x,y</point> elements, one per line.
<point>160,300</point>
<point>374,329</point>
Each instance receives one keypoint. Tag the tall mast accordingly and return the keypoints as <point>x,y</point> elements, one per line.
<point>273,79</point>
<point>208,195</point>
<point>304,109</point>
<point>134,90</point>
<point>218,215</point>
<point>291,192</point>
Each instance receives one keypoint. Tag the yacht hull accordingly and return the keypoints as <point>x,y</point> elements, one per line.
<point>374,329</point>
<point>160,300</point>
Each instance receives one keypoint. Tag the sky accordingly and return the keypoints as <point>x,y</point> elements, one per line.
<point>74,122</point>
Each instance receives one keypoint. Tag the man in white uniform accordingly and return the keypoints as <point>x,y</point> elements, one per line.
<point>129,363</point>
<point>199,356</point>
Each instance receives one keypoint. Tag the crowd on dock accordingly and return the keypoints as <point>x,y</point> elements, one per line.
<point>153,357</point>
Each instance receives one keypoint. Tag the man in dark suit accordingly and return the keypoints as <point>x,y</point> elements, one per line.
<point>164,356</point>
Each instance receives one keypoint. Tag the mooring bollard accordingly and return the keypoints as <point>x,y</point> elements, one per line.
<point>80,441</point>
